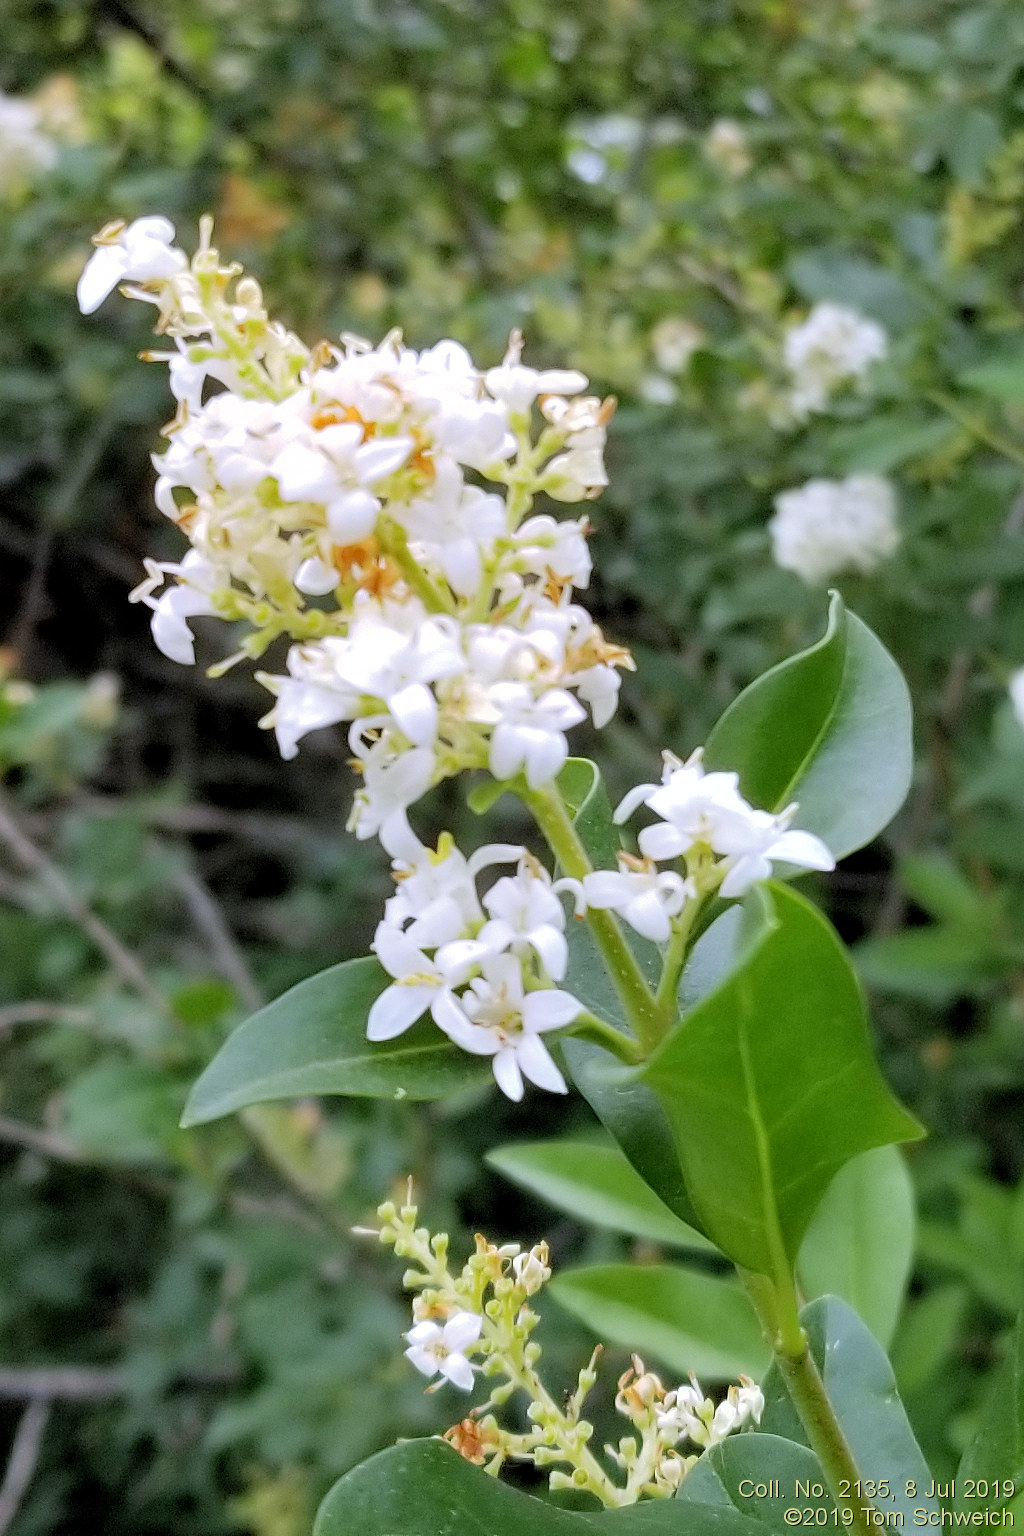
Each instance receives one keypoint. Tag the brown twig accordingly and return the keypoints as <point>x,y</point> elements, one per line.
<point>79,1383</point>
<point>32,858</point>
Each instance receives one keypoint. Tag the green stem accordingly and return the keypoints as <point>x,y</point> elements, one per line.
<point>776,1306</point>
<point>588,1026</point>
<point>976,426</point>
<point>675,958</point>
<point>551,816</point>
<point>394,543</point>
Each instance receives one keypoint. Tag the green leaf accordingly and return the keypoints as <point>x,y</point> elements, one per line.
<point>686,1320</point>
<point>996,1454</point>
<point>830,728</point>
<point>770,1086</point>
<point>1000,377</point>
<point>862,1390</point>
<point>312,1040</point>
<point>781,1468</point>
<point>586,799</point>
<point>424,1488</point>
<point>594,1183</point>
<point>630,1111</point>
<point>860,1243</point>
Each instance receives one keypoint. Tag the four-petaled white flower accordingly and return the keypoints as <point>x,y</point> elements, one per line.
<point>441,1348</point>
<point>140,253</point>
<point>497,1018</point>
<point>752,843</point>
<point>420,983</point>
<point>646,898</point>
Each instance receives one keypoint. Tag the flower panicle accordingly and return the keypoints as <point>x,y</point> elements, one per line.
<point>479,1321</point>
<point>375,505</point>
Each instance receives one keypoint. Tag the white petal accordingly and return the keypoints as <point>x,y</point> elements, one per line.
<point>425,1362</point>
<point>352,516</point>
<point>552,948</point>
<point>414,710</point>
<point>745,872</point>
<point>507,1074</point>
<point>303,474</point>
<point>647,915</point>
<point>424,1333</point>
<point>605,888</point>
<point>315,578</point>
<point>549,1010</point>
<point>397,953</point>
<point>103,271</point>
<point>663,841</point>
<point>507,752</point>
<point>396,1010</point>
<point>381,457</point>
<point>632,800</point>
<point>545,755</point>
<point>536,1064</point>
<point>803,848</point>
<point>458,1371</point>
<point>462,1330</point>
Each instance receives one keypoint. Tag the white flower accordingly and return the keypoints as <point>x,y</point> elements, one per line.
<point>192,597</point>
<point>437,895</point>
<point>1016,691</point>
<point>526,913</point>
<point>578,474</point>
<point>726,147</point>
<point>674,340</point>
<point>693,805</point>
<point>25,150</point>
<point>392,781</point>
<point>833,346</point>
<point>752,842</point>
<point>500,1019</point>
<point>141,253</point>
<point>532,1270</point>
<point>530,732</point>
<point>435,1348</point>
<point>646,899</point>
<point>419,983</point>
<point>827,526</point>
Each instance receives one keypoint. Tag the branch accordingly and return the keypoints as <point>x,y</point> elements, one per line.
<point>28,1442</point>
<point>33,859</point>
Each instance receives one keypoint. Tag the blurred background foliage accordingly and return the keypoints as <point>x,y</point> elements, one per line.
<point>208,1345</point>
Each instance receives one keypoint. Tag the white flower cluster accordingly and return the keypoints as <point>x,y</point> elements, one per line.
<point>834,346</point>
<point>827,526</point>
<point>26,150</point>
<point>727,147</point>
<point>484,970</point>
<point>687,1414</point>
<point>704,814</point>
<point>375,504</point>
<point>479,1320</point>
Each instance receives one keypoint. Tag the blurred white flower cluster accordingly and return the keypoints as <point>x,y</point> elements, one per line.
<point>726,146</point>
<point>833,346</point>
<point>480,1320</point>
<point>374,504</point>
<point>26,149</point>
<point>827,526</point>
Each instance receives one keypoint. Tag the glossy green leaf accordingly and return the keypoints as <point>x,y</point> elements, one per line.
<point>830,728</point>
<point>424,1488</point>
<point>594,1183</point>
<point>781,1469</point>
<point>632,1114</point>
<point>627,1107</point>
<point>860,1243</point>
<point>862,1389</point>
<point>312,1040</point>
<point>770,1085</point>
<point>996,1454</point>
<point>683,1319</point>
